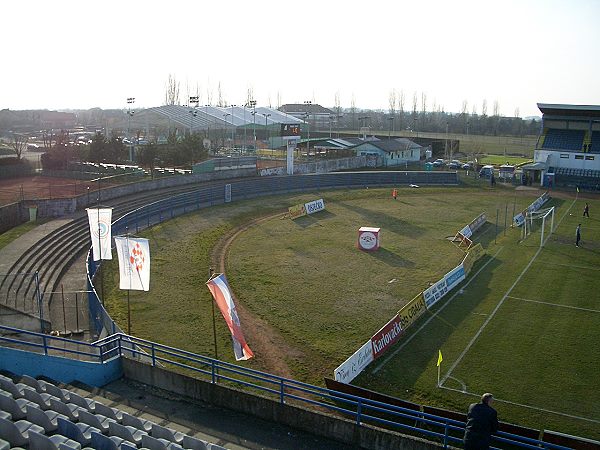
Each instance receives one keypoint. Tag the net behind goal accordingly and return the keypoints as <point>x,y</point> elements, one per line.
<point>540,221</point>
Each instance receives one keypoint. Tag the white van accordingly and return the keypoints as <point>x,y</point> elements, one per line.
<point>486,171</point>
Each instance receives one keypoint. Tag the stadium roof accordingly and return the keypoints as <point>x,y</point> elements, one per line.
<point>569,110</point>
<point>394,145</point>
<point>307,108</point>
<point>222,117</point>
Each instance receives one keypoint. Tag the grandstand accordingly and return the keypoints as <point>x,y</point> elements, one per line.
<point>567,152</point>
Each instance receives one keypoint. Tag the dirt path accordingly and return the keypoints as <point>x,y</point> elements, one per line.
<point>267,343</point>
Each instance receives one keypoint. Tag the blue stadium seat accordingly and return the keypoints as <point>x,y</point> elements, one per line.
<point>125,432</point>
<point>17,433</point>
<point>112,413</point>
<point>79,432</point>
<point>16,408</point>
<point>39,441</point>
<point>101,442</point>
<point>595,147</point>
<point>48,420</point>
<point>564,139</point>
<point>140,424</point>
<point>95,420</point>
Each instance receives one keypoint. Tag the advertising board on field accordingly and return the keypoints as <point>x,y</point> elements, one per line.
<point>537,204</point>
<point>474,254</point>
<point>477,223</point>
<point>386,336</point>
<point>314,206</point>
<point>454,277</point>
<point>435,292</point>
<point>412,311</point>
<point>297,211</point>
<point>354,365</point>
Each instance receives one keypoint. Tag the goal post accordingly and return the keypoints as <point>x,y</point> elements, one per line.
<point>543,220</point>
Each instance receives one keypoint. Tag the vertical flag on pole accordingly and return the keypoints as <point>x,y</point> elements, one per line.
<point>219,289</point>
<point>100,220</point>
<point>439,365</point>
<point>134,263</point>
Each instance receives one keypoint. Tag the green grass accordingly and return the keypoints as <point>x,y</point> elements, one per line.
<point>497,160</point>
<point>12,234</point>
<point>542,355</point>
<point>324,298</point>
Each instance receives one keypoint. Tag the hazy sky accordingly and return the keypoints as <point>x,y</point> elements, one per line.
<point>81,54</point>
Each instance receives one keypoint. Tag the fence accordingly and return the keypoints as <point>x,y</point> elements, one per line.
<point>361,410</point>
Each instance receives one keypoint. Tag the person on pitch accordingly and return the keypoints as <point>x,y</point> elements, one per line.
<point>482,422</point>
<point>586,211</point>
<point>577,235</point>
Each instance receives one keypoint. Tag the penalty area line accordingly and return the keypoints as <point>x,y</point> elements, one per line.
<point>500,303</point>
<point>433,316</point>
<point>508,402</point>
<point>554,304</point>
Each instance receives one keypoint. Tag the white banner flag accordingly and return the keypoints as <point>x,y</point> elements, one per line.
<point>134,263</point>
<point>100,220</point>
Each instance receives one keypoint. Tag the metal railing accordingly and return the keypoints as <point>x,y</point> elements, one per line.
<point>283,390</point>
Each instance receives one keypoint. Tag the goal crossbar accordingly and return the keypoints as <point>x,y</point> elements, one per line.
<point>541,214</point>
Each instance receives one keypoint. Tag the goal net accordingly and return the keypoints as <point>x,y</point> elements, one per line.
<point>540,221</point>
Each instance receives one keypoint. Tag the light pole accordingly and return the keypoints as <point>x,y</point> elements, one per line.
<point>193,112</point>
<point>130,113</point>
<point>225,120</point>
<point>232,128</point>
<point>252,104</point>
<point>308,103</point>
<point>267,134</point>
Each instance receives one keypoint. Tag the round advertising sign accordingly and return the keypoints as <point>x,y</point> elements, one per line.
<point>367,240</point>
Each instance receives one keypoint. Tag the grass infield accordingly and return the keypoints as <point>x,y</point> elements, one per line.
<point>324,298</point>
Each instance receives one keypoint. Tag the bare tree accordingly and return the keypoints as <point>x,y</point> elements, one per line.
<point>172,91</point>
<point>249,95</point>
<point>401,106</point>
<point>474,110</point>
<point>353,111</point>
<point>496,108</point>
<point>517,112</point>
<point>19,144</point>
<point>392,102</point>
<point>337,104</point>
<point>464,108</point>
<point>484,108</point>
<point>220,101</point>
<point>209,95</point>
<point>415,102</point>
<point>423,103</point>
<point>279,99</point>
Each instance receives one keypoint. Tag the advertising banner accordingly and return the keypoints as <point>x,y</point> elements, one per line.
<point>297,211</point>
<point>434,293</point>
<point>412,311</point>
<point>100,232</point>
<point>315,206</point>
<point>454,277</point>
<point>537,204</point>
<point>386,336</point>
<point>134,263</point>
<point>354,365</point>
<point>474,254</point>
<point>466,231</point>
<point>477,223</point>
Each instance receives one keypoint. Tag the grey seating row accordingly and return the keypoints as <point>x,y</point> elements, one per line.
<point>40,415</point>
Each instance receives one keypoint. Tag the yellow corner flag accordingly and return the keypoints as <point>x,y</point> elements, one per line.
<point>440,359</point>
<point>577,188</point>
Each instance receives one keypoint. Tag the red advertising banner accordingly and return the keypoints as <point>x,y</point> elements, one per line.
<point>387,336</point>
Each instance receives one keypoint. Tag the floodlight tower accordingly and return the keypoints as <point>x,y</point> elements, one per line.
<point>130,113</point>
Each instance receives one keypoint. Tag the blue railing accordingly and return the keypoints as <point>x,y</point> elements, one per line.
<point>284,390</point>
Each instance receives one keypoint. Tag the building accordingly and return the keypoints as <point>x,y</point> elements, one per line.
<point>392,151</point>
<point>568,147</point>
<point>316,115</point>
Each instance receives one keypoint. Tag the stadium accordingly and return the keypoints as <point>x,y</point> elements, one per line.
<point>352,338</point>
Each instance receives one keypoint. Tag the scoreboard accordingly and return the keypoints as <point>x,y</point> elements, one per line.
<point>290,129</point>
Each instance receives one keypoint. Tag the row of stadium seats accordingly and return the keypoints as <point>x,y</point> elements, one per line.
<point>564,139</point>
<point>595,146</point>
<point>40,415</point>
<point>577,172</point>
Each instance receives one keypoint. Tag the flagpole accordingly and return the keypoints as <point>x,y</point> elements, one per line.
<point>439,367</point>
<point>212,303</point>
<point>128,290</point>
<point>100,246</point>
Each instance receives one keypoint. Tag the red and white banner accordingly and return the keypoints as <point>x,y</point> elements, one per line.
<point>219,289</point>
<point>134,263</point>
<point>100,220</point>
<point>387,336</point>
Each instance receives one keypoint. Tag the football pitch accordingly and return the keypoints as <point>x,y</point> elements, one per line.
<point>525,326</point>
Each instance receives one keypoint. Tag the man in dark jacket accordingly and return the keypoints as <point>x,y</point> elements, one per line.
<point>482,422</point>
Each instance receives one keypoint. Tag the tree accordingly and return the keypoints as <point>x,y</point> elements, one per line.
<point>392,102</point>
<point>401,106</point>
<point>220,101</point>
<point>353,111</point>
<point>19,144</point>
<point>147,156</point>
<point>98,148</point>
<point>496,108</point>
<point>172,91</point>
<point>484,108</point>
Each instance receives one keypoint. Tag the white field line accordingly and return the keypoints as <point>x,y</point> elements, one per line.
<point>550,263</point>
<point>554,304</point>
<point>504,297</point>
<point>433,316</point>
<point>586,419</point>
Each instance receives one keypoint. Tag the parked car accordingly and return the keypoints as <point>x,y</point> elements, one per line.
<point>439,163</point>
<point>454,164</point>
<point>468,165</point>
<point>486,171</point>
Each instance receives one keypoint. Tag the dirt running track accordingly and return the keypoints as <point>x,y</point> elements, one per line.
<point>40,187</point>
<point>267,343</point>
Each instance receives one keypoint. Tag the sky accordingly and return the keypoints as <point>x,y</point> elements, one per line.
<point>64,54</point>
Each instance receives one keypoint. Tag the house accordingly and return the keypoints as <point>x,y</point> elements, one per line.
<point>393,152</point>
